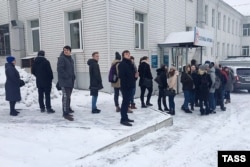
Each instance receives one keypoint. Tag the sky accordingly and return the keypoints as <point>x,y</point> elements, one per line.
<point>243,6</point>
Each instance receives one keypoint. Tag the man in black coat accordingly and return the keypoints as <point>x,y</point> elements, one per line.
<point>42,70</point>
<point>95,80</point>
<point>66,80</point>
<point>127,79</point>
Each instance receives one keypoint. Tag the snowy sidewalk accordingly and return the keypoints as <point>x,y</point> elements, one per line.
<point>33,138</point>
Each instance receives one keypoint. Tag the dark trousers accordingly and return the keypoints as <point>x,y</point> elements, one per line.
<point>66,99</point>
<point>41,92</point>
<point>143,89</point>
<point>116,96</point>
<point>12,106</point>
<point>204,101</point>
<point>126,96</point>
<point>162,97</point>
<point>132,96</point>
<point>227,95</point>
<point>171,103</point>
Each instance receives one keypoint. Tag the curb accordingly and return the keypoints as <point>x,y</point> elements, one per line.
<point>133,137</point>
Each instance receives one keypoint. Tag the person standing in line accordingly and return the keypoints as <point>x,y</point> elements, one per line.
<point>95,80</point>
<point>229,85</point>
<point>145,73</point>
<point>132,103</point>
<point>211,72</point>
<point>116,85</point>
<point>66,79</point>
<point>195,89</point>
<point>172,83</point>
<point>42,70</point>
<point>12,84</point>
<point>127,79</point>
<point>162,85</point>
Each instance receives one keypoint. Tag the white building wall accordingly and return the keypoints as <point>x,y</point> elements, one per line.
<point>245,39</point>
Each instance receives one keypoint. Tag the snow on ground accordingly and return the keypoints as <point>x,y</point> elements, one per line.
<point>40,139</point>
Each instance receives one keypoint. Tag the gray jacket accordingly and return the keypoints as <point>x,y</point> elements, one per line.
<point>66,72</point>
<point>212,76</point>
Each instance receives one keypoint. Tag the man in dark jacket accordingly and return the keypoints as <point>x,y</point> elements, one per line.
<point>127,79</point>
<point>44,76</point>
<point>12,84</point>
<point>95,80</point>
<point>66,79</point>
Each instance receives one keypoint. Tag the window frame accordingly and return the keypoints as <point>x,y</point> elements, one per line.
<point>139,23</point>
<point>224,23</point>
<point>31,29</point>
<point>245,49</point>
<point>219,20</point>
<point>246,29</point>
<point>213,18</point>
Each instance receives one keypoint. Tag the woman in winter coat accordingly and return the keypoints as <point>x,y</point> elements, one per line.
<point>162,85</point>
<point>145,72</point>
<point>187,87</point>
<point>172,82</point>
<point>229,85</point>
<point>12,84</point>
<point>194,91</point>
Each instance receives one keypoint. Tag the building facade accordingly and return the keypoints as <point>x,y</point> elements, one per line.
<point>108,26</point>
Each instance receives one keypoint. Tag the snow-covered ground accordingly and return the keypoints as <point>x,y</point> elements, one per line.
<point>47,140</point>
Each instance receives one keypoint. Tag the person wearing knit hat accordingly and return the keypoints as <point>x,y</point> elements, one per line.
<point>12,84</point>
<point>10,59</point>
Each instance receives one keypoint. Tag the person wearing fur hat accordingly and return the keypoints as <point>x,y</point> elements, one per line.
<point>12,84</point>
<point>42,70</point>
<point>205,83</point>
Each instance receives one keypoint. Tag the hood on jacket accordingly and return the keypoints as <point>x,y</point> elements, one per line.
<point>91,61</point>
<point>39,60</point>
<point>116,61</point>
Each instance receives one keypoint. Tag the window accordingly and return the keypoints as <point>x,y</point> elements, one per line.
<point>213,18</point>
<point>224,23</point>
<point>246,29</point>
<point>228,25</point>
<point>218,49</point>
<point>228,49</point>
<point>219,20</point>
<point>245,50</point>
<point>206,14</point>
<point>232,50</point>
<point>223,49</point>
<point>4,40</point>
<point>35,35</point>
<point>75,29</point>
<point>232,26</point>
<point>188,28</point>
<point>236,28</point>
<point>139,31</point>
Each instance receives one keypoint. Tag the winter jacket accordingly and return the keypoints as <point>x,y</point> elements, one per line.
<point>42,70</point>
<point>12,84</point>
<point>66,72</point>
<point>144,72</point>
<point>95,75</point>
<point>163,78</point>
<point>204,87</point>
<point>172,81</point>
<point>117,84</point>
<point>187,81</point>
<point>229,84</point>
<point>212,76</point>
<point>195,80</point>
<point>126,74</point>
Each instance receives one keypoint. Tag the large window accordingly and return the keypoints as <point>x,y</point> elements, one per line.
<point>206,14</point>
<point>228,25</point>
<point>35,35</point>
<point>139,31</point>
<point>219,20</point>
<point>213,18</point>
<point>246,29</point>
<point>245,50</point>
<point>4,40</point>
<point>224,23</point>
<point>75,29</point>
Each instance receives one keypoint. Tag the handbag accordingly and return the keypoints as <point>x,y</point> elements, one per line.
<point>169,92</point>
<point>21,83</point>
<point>147,82</point>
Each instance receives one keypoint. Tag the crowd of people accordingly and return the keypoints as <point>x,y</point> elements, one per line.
<point>204,85</point>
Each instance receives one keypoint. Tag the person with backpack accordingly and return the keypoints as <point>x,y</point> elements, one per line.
<point>161,80</point>
<point>211,72</point>
<point>42,70</point>
<point>95,80</point>
<point>114,79</point>
<point>205,84</point>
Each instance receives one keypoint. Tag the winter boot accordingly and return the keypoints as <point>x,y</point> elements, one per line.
<point>50,111</point>
<point>133,106</point>
<point>143,105</point>
<point>68,117</point>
